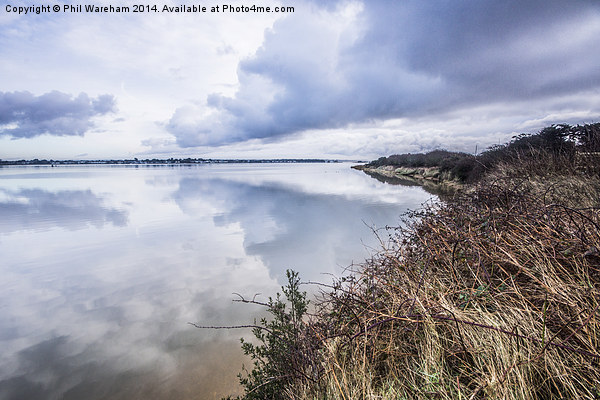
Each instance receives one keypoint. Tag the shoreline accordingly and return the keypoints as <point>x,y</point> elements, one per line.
<point>432,179</point>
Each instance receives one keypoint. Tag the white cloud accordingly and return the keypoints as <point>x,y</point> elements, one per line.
<point>293,84</point>
<point>151,63</point>
<point>361,63</point>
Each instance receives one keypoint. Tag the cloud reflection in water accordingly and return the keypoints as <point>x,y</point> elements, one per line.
<point>291,228</point>
<point>42,209</point>
<point>98,284</point>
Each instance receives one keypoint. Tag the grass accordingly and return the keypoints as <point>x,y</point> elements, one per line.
<point>492,294</point>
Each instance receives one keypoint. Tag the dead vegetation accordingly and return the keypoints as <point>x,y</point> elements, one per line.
<point>494,294</point>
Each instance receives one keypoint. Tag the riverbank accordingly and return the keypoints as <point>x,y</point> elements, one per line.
<point>432,179</point>
<point>491,294</point>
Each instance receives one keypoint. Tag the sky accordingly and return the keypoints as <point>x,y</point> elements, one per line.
<point>328,79</point>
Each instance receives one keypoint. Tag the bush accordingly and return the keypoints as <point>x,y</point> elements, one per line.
<point>283,357</point>
<point>587,137</point>
<point>494,294</point>
<point>562,141</point>
<point>436,158</point>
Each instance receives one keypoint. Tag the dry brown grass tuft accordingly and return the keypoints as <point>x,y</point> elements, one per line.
<point>492,295</point>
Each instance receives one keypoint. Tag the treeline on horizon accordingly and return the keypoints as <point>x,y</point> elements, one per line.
<point>168,161</point>
<point>562,139</point>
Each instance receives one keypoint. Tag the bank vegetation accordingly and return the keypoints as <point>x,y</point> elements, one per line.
<point>443,167</point>
<point>493,293</point>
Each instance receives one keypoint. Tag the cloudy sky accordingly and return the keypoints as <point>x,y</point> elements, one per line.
<point>336,79</point>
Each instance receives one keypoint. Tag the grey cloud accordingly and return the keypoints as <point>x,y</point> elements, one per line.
<point>402,59</point>
<point>24,115</point>
<point>493,51</point>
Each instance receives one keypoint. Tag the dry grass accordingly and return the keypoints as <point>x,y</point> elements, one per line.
<point>493,295</point>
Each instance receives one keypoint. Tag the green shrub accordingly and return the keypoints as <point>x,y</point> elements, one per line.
<point>280,358</point>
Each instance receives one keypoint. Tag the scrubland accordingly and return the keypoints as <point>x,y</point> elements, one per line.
<point>493,293</point>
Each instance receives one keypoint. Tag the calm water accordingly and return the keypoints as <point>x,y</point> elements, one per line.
<point>102,268</point>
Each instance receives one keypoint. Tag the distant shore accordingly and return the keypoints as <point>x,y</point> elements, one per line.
<point>170,161</point>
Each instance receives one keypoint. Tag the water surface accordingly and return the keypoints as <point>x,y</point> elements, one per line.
<point>102,268</point>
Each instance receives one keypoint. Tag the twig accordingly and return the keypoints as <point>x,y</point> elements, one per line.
<point>243,300</point>
<point>230,327</point>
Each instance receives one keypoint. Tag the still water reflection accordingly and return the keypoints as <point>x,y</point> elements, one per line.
<point>102,268</point>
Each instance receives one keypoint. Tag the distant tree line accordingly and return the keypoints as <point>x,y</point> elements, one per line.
<point>168,161</point>
<point>563,140</point>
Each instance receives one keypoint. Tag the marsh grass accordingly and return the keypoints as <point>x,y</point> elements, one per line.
<point>493,294</point>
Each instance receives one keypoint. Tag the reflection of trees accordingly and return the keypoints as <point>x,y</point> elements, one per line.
<point>41,209</point>
<point>431,188</point>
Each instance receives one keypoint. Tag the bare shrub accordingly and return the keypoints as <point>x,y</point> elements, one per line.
<point>494,294</point>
